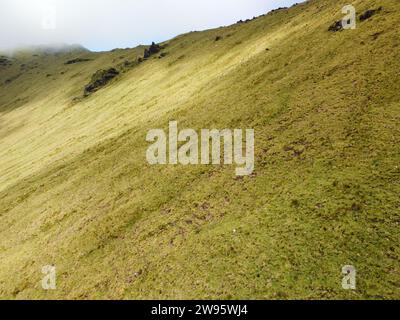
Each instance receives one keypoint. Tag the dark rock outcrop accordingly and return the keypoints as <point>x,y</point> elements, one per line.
<point>278,9</point>
<point>77,60</point>
<point>153,49</point>
<point>336,26</point>
<point>369,13</point>
<point>99,80</point>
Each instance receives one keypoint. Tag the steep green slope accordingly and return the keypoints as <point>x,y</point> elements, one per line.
<point>77,192</point>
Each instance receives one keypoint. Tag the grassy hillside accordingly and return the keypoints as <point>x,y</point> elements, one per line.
<point>76,190</point>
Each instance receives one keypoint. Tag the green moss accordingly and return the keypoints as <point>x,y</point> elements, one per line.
<point>76,190</point>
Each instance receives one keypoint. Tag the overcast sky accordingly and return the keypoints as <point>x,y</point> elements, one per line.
<point>107,24</point>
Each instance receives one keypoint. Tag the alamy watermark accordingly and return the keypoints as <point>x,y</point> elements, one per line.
<point>349,279</point>
<point>349,21</point>
<point>49,17</point>
<point>49,280</point>
<point>196,147</point>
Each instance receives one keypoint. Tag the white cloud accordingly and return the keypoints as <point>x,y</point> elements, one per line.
<point>107,24</point>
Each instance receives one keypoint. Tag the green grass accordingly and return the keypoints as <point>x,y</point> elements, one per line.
<point>76,190</point>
